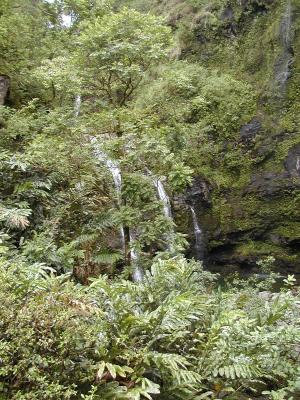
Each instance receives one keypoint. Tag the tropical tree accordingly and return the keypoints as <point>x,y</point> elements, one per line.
<point>115,52</point>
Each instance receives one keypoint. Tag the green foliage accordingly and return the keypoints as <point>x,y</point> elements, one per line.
<point>171,336</point>
<point>117,50</point>
<point>72,326</point>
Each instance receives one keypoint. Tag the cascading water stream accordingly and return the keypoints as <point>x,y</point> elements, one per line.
<point>284,61</point>
<point>116,174</point>
<point>286,25</point>
<point>164,198</point>
<point>198,235</point>
<point>137,274</point>
<point>117,178</point>
<point>77,105</point>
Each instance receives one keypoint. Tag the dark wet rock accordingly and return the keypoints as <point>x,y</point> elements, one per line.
<point>227,14</point>
<point>190,208</point>
<point>271,184</point>
<point>264,152</point>
<point>227,257</point>
<point>257,6</point>
<point>250,130</point>
<point>199,192</point>
<point>4,86</point>
<point>292,162</point>
<point>229,27</point>
<point>277,239</point>
<point>281,239</point>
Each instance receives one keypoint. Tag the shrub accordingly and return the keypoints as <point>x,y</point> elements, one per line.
<point>172,336</point>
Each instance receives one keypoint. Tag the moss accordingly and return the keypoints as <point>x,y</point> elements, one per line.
<point>242,50</point>
<point>259,249</point>
<point>289,231</point>
<point>251,215</point>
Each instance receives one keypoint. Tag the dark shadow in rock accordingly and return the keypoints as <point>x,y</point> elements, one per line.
<point>198,193</point>
<point>4,87</point>
<point>250,130</point>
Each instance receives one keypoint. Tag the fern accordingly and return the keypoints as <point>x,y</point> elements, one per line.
<point>15,218</point>
<point>106,257</point>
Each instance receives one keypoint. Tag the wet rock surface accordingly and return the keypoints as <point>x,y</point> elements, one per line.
<point>250,130</point>
<point>292,162</point>
<point>199,192</point>
<point>271,184</point>
<point>4,86</point>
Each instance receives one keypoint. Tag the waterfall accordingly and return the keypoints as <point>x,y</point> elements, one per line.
<point>284,61</point>
<point>164,198</point>
<point>115,171</point>
<point>116,174</point>
<point>117,178</point>
<point>111,166</point>
<point>286,25</point>
<point>137,273</point>
<point>77,105</point>
<point>198,235</point>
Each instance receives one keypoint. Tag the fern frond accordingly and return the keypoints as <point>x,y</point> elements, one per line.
<point>107,257</point>
<point>15,217</point>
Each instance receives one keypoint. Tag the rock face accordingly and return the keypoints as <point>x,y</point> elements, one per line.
<point>292,162</point>
<point>4,86</point>
<point>198,192</point>
<point>252,211</point>
<point>250,130</point>
<point>270,184</point>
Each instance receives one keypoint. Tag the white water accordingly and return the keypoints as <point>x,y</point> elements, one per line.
<point>137,273</point>
<point>112,166</point>
<point>77,105</point>
<point>285,35</point>
<point>116,174</point>
<point>287,24</point>
<point>164,198</point>
<point>198,235</point>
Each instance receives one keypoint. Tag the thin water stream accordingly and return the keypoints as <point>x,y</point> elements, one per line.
<point>199,245</point>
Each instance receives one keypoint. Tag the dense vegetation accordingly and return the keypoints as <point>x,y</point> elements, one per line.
<point>173,336</point>
<point>123,124</point>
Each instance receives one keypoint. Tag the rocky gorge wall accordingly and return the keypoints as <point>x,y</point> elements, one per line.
<point>253,209</point>
<point>233,119</point>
